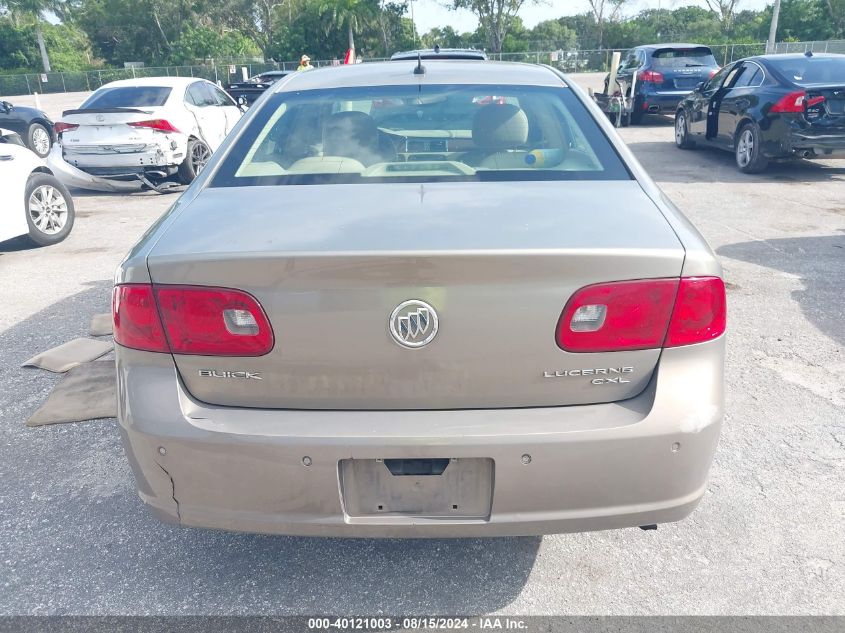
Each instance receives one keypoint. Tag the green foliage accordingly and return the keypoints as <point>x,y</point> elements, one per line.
<point>184,31</point>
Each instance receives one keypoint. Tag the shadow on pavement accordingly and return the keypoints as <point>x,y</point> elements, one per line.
<point>79,541</point>
<point>713,165</point>
<point>819,261</point>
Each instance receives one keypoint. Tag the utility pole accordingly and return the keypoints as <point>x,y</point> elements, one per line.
<point>773,29</point>
<point>45,59</point>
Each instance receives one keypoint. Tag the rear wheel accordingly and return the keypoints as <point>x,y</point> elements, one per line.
<point>196,159</point>
<point>49,209</point>
<point>39,140</point>
<point>748,150</point>
<point>682,138</point>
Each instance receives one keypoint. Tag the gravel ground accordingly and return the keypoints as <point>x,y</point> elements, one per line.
<point>767,538</point>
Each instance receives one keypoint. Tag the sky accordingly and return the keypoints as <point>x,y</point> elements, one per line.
<point>431,13</point>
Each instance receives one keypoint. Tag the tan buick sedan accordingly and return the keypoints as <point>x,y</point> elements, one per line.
<point>437,299</point>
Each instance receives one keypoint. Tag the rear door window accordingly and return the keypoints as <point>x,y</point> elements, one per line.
<point>199,95</point>
<point>128,97</point>
<point>421,134</point>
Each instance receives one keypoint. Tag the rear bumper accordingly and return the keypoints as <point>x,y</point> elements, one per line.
<point>662,101</point>
<point>786,136</point>
<point>592,467</point>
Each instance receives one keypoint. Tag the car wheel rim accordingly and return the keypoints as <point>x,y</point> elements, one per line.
<point>680,129</point>
<point>199,156</point>
<point>48,209</point>
<point>41,141</point>
<point>745,148</point>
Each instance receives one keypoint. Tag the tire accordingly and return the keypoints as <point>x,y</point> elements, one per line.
<point>196,158</point>
<point>49,209</point>
<point>636,115</point>
<point>747,150</point>
<point>39,139</point>
<point>682,138</point>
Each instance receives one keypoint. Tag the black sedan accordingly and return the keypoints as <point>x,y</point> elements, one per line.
<point>246,92</point>
<point>770,107</point>
<point>33,126</point>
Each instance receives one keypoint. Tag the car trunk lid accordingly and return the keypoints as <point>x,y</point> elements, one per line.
<point>108,130</point>
<point>497,262</point>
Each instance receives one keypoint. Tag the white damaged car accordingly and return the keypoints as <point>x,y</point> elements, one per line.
<point>141,133</point>
<point>35,203</point>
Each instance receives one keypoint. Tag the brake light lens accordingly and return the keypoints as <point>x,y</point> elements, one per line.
<point>793,102</point>
<point>159,125</point>
<point>136,320</point>
<point>651,77</point>
<point>213,321</point>
<point>195,320</point>
<point>61,126</point>
<point>700,312</point>
<point>643,314</point>
<point>624,315</point>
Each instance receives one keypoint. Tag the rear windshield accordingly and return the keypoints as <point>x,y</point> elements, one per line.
<point>128,97</point>
<point>811,70</point>
<point>684,57</point>
<point>420,134</point>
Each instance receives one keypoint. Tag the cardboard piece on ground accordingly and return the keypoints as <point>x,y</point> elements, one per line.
<point>86,392</point>
<point>101,325</point>
<point>70,354</point>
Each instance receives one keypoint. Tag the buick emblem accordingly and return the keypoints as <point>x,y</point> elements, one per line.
<point>413,323</point>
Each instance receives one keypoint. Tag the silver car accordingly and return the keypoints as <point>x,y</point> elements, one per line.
<point>438,299</point>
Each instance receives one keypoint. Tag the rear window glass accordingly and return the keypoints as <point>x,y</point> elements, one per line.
<point>684,57</point>
<point>811,70</point>
<point>128,97</point>
<point>421,134</point>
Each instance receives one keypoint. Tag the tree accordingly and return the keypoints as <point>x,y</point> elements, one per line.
<point>347,13</point>
<point>34,10</point>
<point>603,11</point>
<point>495,17</point>
<point>724,10</point>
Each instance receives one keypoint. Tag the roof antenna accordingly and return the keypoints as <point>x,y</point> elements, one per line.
<point>420,69</point>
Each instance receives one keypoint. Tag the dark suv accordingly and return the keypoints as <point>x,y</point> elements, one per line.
<point>665,74</point>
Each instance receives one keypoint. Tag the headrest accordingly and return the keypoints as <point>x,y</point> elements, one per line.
<point>350,134</point>
<point>499,126</point>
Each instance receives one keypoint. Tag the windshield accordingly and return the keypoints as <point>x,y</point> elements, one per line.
<point>669,58</point>
<point>421,134</point>
<point>128,97</point>
<point>811,70</point>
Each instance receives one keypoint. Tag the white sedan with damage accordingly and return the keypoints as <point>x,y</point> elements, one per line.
<point>141,133</point>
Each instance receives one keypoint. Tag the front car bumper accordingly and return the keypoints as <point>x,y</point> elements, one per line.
<point>590,467</point>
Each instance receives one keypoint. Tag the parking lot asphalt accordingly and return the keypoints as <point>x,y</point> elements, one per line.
<point>766,539</point>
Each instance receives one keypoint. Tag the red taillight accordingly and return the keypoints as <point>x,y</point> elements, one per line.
<point>61,126</point>
<point>651,77</point>
<point>643,314</point>
<point>700,312</point>
<point>814,101</point>
<point>213,321</point>
<point>793,102</point>
<point>190,320</point>
<point>713,72</point>
<point>136,321</point>
<point>617,316</point>
<point>159,125</point>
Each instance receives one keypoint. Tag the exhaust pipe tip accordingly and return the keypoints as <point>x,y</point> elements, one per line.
<point>653,108</point>
<point>807,153</point>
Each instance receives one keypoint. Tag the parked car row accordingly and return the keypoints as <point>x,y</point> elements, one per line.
<point>763,108</point>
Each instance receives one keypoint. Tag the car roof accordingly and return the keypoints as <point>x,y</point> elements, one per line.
<point>442,53</point>
<point>163,82</point>
<point>772,56</point>
<point>672,45</point>
<point>274,72</point>
<point>400,73</point>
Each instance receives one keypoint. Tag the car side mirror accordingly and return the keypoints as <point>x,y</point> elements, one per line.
<point>242,103</point>
<point>699,87</point>
<point>7,107</point>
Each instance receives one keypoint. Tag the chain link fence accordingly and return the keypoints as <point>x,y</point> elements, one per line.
<point>570,61</point>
